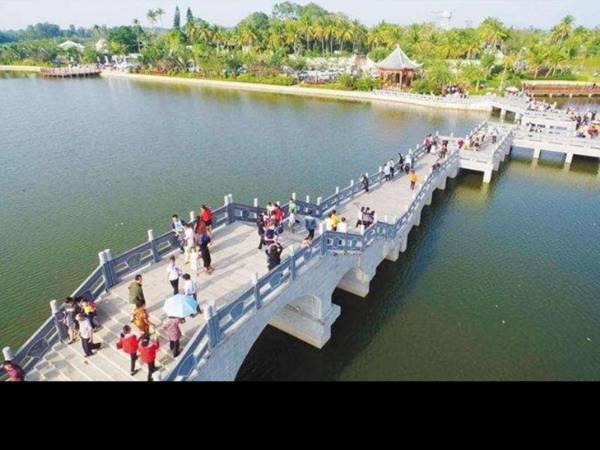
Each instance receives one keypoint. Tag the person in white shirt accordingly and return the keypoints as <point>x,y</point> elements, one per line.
<point>386,172</point>
<point>342,226</point>
<point>86,333</point>
<point>190,288</point>
<point>190,245</point>
<point>173,273</point>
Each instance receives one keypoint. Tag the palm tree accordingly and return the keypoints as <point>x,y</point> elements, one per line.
<point>492,32</point>
<point>563,30</point>
<point>159,13</point>
<point>305,27</point>
<point>137,28</point>
<point>152,18</point>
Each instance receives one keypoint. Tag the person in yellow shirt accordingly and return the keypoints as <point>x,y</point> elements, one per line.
<point>335,220</point>
<point>413,179</point>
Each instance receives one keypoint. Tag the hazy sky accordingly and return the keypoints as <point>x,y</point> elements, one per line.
<point>521,13</point>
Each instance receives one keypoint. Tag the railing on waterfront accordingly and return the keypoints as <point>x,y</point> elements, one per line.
<point>113,271</point>
<point>219,324</point>
<point>70,71</point>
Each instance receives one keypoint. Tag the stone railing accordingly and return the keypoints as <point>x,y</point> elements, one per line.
<point>559,139</point>
<point>222,322</point>
<point>114,270</point>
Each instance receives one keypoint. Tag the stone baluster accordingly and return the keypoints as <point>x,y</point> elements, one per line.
<point>60,329</point>
<point>153,248</point>
<point>213,325</point>
<point>257,299</point>
<point>107,269</point>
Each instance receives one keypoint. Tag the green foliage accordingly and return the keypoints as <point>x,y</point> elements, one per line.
<point>262,44</point>
<point>123,39</point>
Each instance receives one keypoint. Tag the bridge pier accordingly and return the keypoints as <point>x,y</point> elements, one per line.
<point>308,318</point>
<point>487,176</point>
<point>569,158</point>
<point>537,151</point>
<point>399,246</point>
<point>502,114</point>
<point>358,279</point>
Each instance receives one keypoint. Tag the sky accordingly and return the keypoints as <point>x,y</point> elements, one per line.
<point>16,14</point>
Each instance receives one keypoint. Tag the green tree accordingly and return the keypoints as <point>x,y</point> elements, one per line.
<point>177,19</point>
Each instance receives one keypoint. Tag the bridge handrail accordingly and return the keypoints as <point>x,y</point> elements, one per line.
<point>253,298</point>
<point>108,274</point>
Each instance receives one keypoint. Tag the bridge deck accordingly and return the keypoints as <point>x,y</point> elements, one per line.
<point>235,259</point>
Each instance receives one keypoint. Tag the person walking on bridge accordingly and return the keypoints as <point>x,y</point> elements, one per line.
<point>135,291</point>
<point>364,179</point>
<point>274,255</point>
<point>173,273</point>
<point>178,227</point>
<point>310,223</point>
<point>190,243</point>
<point>206,215</point>
<point>293,211</point>
<point>413,179</point>
<point>147,351</point>
<point>128,342</point>
<point>140,317</point>
<point>171,327</point>
<point>203,241</point>
<point>86,333</point>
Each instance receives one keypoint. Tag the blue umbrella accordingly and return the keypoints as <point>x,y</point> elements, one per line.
<point>180,306</point>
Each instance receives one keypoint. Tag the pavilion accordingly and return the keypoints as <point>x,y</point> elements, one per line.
<point>397,70</point>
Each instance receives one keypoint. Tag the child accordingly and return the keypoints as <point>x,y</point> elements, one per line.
<point>69,319</point>
<point>147,352</point>
<point>89,309</point>
<point>129,344</point>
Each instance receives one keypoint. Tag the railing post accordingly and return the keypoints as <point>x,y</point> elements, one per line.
<point>256,203</point>
<point>229,204</point>
<point>155,254</point>
<point>8,354</point>
<point>292,263</point>
<point>337,193</point>
<point>107,269</point>
<point>192,216</point>
<point>294,196</point>
<point>257,299</point>
<point>213,326</point>
<point>55,313</point>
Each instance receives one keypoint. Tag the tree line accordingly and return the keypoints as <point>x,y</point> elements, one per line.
<point>491,54</point>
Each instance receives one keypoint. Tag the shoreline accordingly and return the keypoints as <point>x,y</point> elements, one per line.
<point>357,96</point>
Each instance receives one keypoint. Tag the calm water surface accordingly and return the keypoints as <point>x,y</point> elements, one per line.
<point>497,283</point>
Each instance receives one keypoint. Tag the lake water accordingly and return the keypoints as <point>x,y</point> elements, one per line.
<point>498,282</point>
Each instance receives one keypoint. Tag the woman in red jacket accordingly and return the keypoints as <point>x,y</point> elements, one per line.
<point>147,351</point>
<point>129,344</point>
<point>206,216</point>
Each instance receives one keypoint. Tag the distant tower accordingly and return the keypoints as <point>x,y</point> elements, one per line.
<point>442,19</point>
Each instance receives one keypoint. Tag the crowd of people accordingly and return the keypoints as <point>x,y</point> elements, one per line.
<point>455,90</point>
<point>476,141</point>
<point>140,339</point>
<point>585,123</point>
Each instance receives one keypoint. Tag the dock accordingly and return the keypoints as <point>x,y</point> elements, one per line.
<point>71,72</point>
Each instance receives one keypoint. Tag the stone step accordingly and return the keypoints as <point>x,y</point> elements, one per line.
<point>86,366</point>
